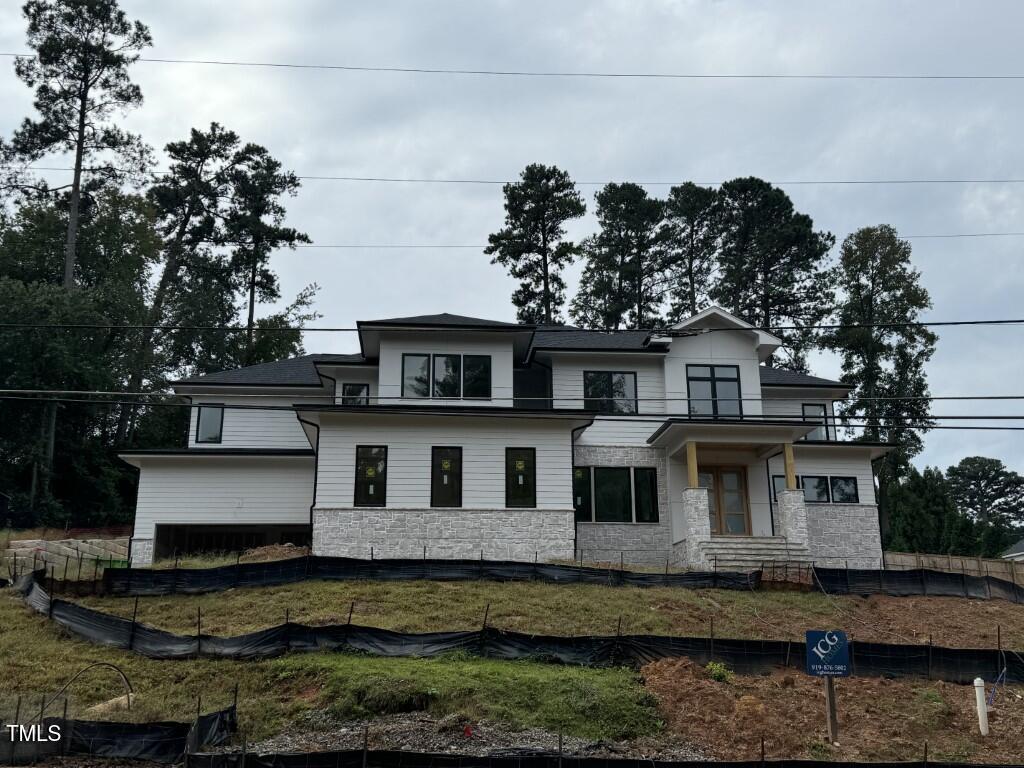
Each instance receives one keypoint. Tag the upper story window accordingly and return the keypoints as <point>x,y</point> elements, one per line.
<point>714,390</point>
<point>210,424</point>
<point>610,391</point>
<point>446,376</point>
<point>355,393</point>
<point>816,413</point>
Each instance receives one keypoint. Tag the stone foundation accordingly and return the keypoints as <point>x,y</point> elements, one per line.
<point>792,517</point>
<point>141,552</point>
<point>632,543</point>
<point>844,533</point>
<point>500,534</point>
<point>697,517</point>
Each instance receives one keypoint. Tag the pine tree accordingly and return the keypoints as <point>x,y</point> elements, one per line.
<point>83,49</point>
<point>992,496</point>
<point>689,236</point>
<point>772,265</point>
<point>623,282</point>
<point>532,244</point>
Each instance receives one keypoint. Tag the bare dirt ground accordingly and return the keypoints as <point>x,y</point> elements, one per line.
<point>879,719</point>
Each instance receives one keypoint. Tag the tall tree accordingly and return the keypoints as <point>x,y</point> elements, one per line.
<point>532,244</point>
<point>883,352</point>
<point>772,265</point>
<point>993,497</point>
<point>921,510</point>
<point>83,49</point>
<point>690,241</point>
<point>623,282</point>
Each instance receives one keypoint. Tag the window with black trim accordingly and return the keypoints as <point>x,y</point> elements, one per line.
<point>815,488</point>
<point>415,375</point>
<point>210,424</point>
<point>816,413</point>
<point>645,486</point>
<point>371,481</point>
<point>581,499</point>
<point>779,484</point>
<point>355,394</point>
<point>520,477</point>
<point>447,376</point>
<point>445,477</point>
<point>610,391</point>
<point>844,490</point>
<point>713,390</point>
<point>476,376</point>
<point>612,495</point>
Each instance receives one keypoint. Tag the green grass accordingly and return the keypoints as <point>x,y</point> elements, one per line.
<point>591,703</point>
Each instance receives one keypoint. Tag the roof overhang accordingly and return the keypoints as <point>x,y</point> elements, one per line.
<point>573,416</point>
<point>219,390</point>
<point>675,432</point>
<point>714,319</point>
<point>874,450</point>
<point>176,454</point>
<point>370,334</point>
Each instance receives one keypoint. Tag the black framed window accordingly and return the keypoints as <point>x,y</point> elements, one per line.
<point>815,488</point>
<point>645,486</point>
<point>844,490</point>
<point>476,376</point>
<point>371,482</point>
<point>713,390</point>
<point>779,484</point>
<point>520,477</point>
<point>581,499</point>
<point>447,376</point>
<point>445,477</point>
<point>415,375</point>
<point>610,391</point>
<point>355,394</point>
<point>210,424</point>
<point>816,413</point>
<point>612,495</point>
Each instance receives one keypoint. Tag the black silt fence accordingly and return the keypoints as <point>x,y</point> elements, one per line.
<point>355,758</point>
<point>918,581</point>
<point>148,581</point>
<point>957,665</point>
<point>161,742</point>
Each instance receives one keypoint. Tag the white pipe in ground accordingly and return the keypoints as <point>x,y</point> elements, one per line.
<point>979,696</point>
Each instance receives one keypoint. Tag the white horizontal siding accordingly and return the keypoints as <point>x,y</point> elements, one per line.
<point>352,374</point>
<point>790,406</point>
<point>841,462</point>
<point>498,346</point>
<point>214,490</point>
<point>721,348</point>
<point>618,430</point>
<point>253,428</point>
<point>567,378</point>
<point>409,440</point>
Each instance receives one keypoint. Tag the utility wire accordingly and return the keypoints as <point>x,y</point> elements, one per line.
<point>564,73</point>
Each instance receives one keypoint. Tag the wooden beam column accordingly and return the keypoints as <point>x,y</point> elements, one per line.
<point>692,478</point>
<point>790,464</point>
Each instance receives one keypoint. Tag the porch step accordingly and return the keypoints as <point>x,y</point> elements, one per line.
<point>752,551</point>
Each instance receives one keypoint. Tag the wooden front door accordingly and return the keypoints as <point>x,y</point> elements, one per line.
<point>727,499</point>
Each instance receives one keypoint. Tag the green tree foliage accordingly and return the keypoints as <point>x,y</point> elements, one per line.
<point>883,353</point>
<point>623,282</point>
<point>772,265</point>
<point>690,242</point>
<point>923,516</point>
<point>532,243</point>
<point>80,75</point>
<point>992,496</point>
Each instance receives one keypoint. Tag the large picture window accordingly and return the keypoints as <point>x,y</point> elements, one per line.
<point>815,488</point>
<point>612,495</point>
<point>713,390</point>
<point>371,481</point>
<point>446,376</point>
<point>210,424</point>
<point>844,490</point>
<point>615,494</point>
<point>610,391</point>
<point>446,477</point>
<point>520,477</point>
<point>415,375</point>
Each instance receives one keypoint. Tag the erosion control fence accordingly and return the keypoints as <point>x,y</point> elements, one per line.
<point>393,759</point>
<point>146,581</point>
<point>162,742</point>
<point>957,665</point>
<point>919,581</point>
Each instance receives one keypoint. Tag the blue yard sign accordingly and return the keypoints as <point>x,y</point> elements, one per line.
<point>828,653</point>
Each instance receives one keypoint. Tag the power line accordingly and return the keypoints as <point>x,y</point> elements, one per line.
<point>649,183</point>
<point>564,73</point>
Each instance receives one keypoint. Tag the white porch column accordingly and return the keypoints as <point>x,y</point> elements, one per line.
<point>793,516</point>
<point>697,517</point>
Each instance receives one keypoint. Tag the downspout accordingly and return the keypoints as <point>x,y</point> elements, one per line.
<point>572,464</point>
<point>771,489</point>
<point>316,472</point>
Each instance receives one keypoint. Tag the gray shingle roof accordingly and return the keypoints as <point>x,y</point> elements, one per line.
<point>1016,549</point>
<point>779,377</point>
<point>291,372</point>
<point>547,337</point>
<point>445,319</point>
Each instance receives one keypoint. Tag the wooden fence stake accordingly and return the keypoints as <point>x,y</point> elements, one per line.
<point>131,632</point>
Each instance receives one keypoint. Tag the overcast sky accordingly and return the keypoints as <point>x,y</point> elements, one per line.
<point>447,126</point>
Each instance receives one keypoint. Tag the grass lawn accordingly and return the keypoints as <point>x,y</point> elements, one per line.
<point>38,657</point>
<point>420,606</point>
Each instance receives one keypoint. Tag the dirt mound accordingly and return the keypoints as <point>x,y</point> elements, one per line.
<point>273,552</point>
<point>879,719</point>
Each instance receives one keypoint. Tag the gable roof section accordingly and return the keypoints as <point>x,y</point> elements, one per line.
<point>1016,549</point>
<point>290,372</point>
<point>780,377</point>
<point>445,320</point>
<point>568,338</point>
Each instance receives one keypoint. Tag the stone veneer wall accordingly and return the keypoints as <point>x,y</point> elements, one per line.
<point>141,552</point>
<point>500,534</point>
<point>844,533</point>
<point>637,543</point>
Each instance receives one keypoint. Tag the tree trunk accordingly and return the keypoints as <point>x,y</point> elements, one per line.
<point>71,241</point>
<point>250,322</point>
<point>547,284</point>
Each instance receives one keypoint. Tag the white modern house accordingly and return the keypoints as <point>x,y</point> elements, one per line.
<point>460,437</point>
